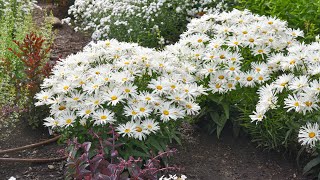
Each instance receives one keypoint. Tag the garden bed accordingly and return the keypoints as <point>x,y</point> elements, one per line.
<point>202,156</point>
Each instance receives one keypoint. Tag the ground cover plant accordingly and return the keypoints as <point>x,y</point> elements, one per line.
<point>150,23</point>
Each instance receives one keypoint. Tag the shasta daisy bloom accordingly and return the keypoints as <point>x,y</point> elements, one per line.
<point>67,119</point>
<point>75,97</point>
<point>85,111</point>
<point>293,103</point>
<point>282,82</point>
<point>127,129</point>
<point>51,122</point>
<point>95,100</point>
<point>309,134</point>
<point>167,112</point>
<point>43,97</point>
<point>248,79</point>
<point>102,117</point>
<point>129,90</point>
<point>63,87</point>
<point>151,125</point>
<point>114,96</point>
<point>257,116</point>
<point>157,86</point>
<point>140,132</point>
<point>310,102</point>
<point>147,97</point>
<point>143,109</point>
<point>314,87</point>
<point>191,108</point>
<point>298,84</point>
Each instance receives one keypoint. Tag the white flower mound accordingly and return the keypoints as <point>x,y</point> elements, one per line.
<point>131,87</point>
<point>101,16</point>
<point>220,47</point>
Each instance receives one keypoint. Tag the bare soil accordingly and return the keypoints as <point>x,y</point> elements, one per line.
<point>203,157</point>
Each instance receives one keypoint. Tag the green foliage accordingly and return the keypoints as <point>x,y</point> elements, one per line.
<point>303,14</point>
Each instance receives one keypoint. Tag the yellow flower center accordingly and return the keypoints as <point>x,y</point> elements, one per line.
<point>232,68</point>
<point>283,84</point>
<point>142,109</point>
<point>270,22</point>
<point>45,97</point>
<point>260,78</point>
<point>88,111</point>
<point>221,77</point>
<point>96,102</point>
<point>222,56</point>
<point>127,90</point>
<point>113,98</point>
<point>166,112</point>
<point>68,121</point>
<point>97,72</point>
<point>116,56</point>
<point>218,86</point>
<point>95,86</point>
<point>65,88</point>
<point>237,78</point>
<point>308,103</point>
<point>149,126</point>
<point>189,106</point>
<point>103,117</point>
<point>138,129</point>
<point>251,40</point>
<point>159,87</point>
<point>230,85</point>
<point>244,32</point>
<point>127,130</point>
<point>292,62</point>
<point>62,107</point>
<point>249,78</point>
<point>260,51</point>
<point>312,134</point>
<point>199,40</point>
<point>148,98</point>
<point>76,98</point>
<point>173,86</point>
<point>296,104</point>
<point>134,113</point>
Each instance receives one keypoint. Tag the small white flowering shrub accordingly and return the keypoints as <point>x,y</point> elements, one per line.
<point>137,90</point>
<point>151,23</point>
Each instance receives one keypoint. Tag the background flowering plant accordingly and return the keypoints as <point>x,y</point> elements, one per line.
<point>151,23</point>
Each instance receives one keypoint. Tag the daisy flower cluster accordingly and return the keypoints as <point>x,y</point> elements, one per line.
<point>297,88</point>
<point>229,50</point>
<point>309,135</point>
<point>106,18</point>
<point>133,88</point>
